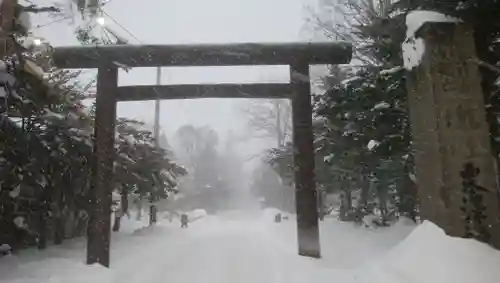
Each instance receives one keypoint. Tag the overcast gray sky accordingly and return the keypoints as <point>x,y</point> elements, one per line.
<point>196,21</point>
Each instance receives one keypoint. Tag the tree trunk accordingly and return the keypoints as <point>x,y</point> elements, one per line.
<point>59,229</point>
<point>139,208</point>
<point>71,220</point>
<point>116,224</point>
<point>82,222</point>
<point>152,212</point>
<point>124,201</point>
<point>122,210</point>
<point>361,206</point>
<point>382,199</point>
<point>43,214</point>
<point>62,184</point>
<point>408,197</point>
<point>345,203</point>
<point>321,204</point>
<point>42,228</point>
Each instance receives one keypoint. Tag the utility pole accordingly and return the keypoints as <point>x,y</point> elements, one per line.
<point>279,144</point>
<point>156,133</point>
<point>279,130</point>
<point>156,130</point>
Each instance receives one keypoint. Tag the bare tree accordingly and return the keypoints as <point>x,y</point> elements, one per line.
<point>187,137</point>
<point>270,119</point>
<point>349,22</point>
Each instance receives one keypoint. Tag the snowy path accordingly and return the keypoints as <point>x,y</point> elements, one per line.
<point>252,249</point>
<point>213,250</point>
<point>223,256</point>
<point>229,248</point>
<point>236,249</point>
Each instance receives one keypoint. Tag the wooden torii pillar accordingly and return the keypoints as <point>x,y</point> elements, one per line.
<point>107,59</point>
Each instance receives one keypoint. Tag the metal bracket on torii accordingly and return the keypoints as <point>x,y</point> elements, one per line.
<point>107,59</point>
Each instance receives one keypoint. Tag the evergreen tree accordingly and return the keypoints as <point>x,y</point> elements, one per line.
<point>46,148</point>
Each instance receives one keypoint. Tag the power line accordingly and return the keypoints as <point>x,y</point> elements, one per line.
<point>67,17</point>
<point>52,22</point>
<point>121,26</point>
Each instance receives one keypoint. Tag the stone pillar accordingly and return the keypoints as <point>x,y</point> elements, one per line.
<point>453,155</point>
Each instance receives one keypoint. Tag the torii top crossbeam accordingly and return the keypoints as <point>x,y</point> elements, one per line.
<point>203,55</point>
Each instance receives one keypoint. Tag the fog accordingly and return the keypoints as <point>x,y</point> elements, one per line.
<point>196,21</point>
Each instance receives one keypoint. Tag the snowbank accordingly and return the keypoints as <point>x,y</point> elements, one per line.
<point>346,245</point>
<point>428,255</point>
<point>60,271</point>
<point>402,253</point>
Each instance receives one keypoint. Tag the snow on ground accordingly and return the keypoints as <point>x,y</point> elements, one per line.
<point>238,247</point>
<point>428,255</point>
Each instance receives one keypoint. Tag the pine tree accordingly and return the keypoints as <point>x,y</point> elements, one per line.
<point>367,137</point>
<point>46,149</point>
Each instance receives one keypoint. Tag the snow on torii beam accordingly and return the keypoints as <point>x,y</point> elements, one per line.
<point>203,55</point>
<point>299,56</point>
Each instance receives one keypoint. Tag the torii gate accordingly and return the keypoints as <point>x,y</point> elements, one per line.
<point>107,59</point>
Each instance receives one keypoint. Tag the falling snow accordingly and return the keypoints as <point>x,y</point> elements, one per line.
<point>381,105</point>
<point>372,144</point>
<point>14,193</point>
<point>391,71</point>
<point>20,222</point>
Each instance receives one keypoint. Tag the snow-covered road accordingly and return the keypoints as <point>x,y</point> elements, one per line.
<point>241,248</point>
<point>211,250</point>
<point>233,247</point>
<point>225,254</point>
<point>216,249</point>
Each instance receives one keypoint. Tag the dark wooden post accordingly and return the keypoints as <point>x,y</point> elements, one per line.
<point>455,168</point>
<point>100,212</point>
<point>303,159</point>
<point>7,23</point>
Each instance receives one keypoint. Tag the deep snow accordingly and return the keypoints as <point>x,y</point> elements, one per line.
<point>237,247</point>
